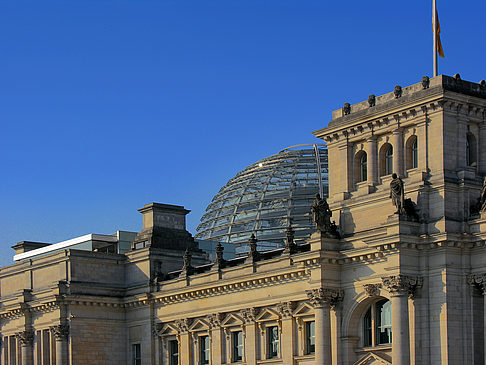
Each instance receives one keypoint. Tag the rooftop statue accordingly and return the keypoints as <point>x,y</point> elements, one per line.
<point>321,215</point>
<point>397,193</point>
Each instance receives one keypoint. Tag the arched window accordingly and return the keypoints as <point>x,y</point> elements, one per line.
<point>414,150</point>
<point>386,159</point>
<point>471,150</point>
<point>361,166</point>
<point>377,326</point>
<point>412,153</point>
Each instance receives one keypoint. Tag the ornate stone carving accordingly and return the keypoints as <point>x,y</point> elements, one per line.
<point>187,269</point>
<point>249,315</point>
<point>253,254</point>
<point>482,198</point>
<point>60,332</point>
<point>482,83</point>
<point>373,290</point>
<point>478,281</point>
<point>182,325</point>
<point>290,246</point>
<point>371,100</point>
<point>397,91</point>
<point>346,109</point>
<point>26,338</point>
<point>402,284</point>
<point>457,77</point>
<point>214,320</point>
<point>324,296</point>
<point>285,309</point>
<point>425,82</point>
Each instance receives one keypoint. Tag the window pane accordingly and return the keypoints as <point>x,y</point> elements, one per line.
<point>273,342</point>
<point>383,322</point>
<point>414,155</point>
<point>310,332</point>
<point>367,330</point>
<point>173,352</point>
<point>203,350</point>
<point>136,354</point>
<point>237,346</point>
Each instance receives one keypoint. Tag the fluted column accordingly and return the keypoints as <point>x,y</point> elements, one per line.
<point>401,287</point>
<point>398,152</point>
<point>26,340</point>
<point>372,161</point>
<point>322,300</point>
<point>61,335</point>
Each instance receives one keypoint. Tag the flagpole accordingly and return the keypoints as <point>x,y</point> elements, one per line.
<point>434,27</point>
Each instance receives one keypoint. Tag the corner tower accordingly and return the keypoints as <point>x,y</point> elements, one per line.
<point>433,136</point>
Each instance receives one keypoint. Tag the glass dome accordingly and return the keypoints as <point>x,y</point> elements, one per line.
<point>266,197</point>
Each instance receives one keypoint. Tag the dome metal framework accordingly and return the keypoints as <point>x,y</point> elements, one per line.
<point>268,196</point>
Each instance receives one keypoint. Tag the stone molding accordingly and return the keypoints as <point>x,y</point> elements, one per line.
<point>402,284</point>
<point>373,290</point>
<point>318,298</point>
<point>478,281</point>
<point>60,332</point>
<point>26,338</point>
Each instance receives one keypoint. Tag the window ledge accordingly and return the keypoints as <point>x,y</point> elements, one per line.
<point>270,361</point>
<point>305,357</point>
<point>384,347</point>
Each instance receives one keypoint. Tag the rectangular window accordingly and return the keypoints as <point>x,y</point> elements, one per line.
<point>13,350</point>
<point>273,342</point>
<point>173,352</point>
<point>203,350</point>
<point>136,354</point>
<point>310,337</point>
<point>237,342</point>
<point>46,347</point>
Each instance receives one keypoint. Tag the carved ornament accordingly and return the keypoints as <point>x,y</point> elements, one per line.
<point>318,298</point>
<point>249,315</point>
<point>478,281</point>
<point>373,290</point>
<point>285,309</point>
<point>183,325</point>
<point>214,320</point>
<point>402,284</point>
<point>60,332</point>
<point>26,338</point>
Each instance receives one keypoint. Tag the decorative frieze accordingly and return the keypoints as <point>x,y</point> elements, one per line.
<point>60,332</point>
<point>373,290</point>
<point>26,338</point>
<point>478,281</point>
<point>324,296</point>
<point>402,284</point>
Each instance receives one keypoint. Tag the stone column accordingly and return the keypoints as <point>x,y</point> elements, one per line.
<point>184,337</point>
<point>217,338</point>
<point>287,336</point>
<point>26,340</point>
<point>372,161</point>
<point>398,152</point>
<point>479,281</point>
<point>401,287</point>
<point>250,339</point>
<point>61,336</point>
<point>322,300</point>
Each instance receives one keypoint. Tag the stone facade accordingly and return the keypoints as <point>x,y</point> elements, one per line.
<point>403,288</point>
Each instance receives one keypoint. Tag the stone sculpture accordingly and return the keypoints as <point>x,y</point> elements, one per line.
<point>371,100</point>
<point>397,193</point>
<point>425,82</point>
<point>346,109</point>
<point>397,91</point>
<point>321,215</point>
<point>482,198</point>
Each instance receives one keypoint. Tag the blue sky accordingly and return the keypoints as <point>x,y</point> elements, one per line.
<point>108,105</point>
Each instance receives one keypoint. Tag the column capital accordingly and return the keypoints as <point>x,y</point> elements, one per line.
<point>182,325</point>
<point>373,290</point>
<point>285,309</point>
<point>214,320</point>
<point>26,338</point>
<point>321,297</point>
<point>478,281</point>
<point>398,285</point>
<point>249,315</point>
<point>60,332</point>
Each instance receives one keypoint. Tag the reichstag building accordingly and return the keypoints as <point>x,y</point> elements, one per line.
<point>368,251</point>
